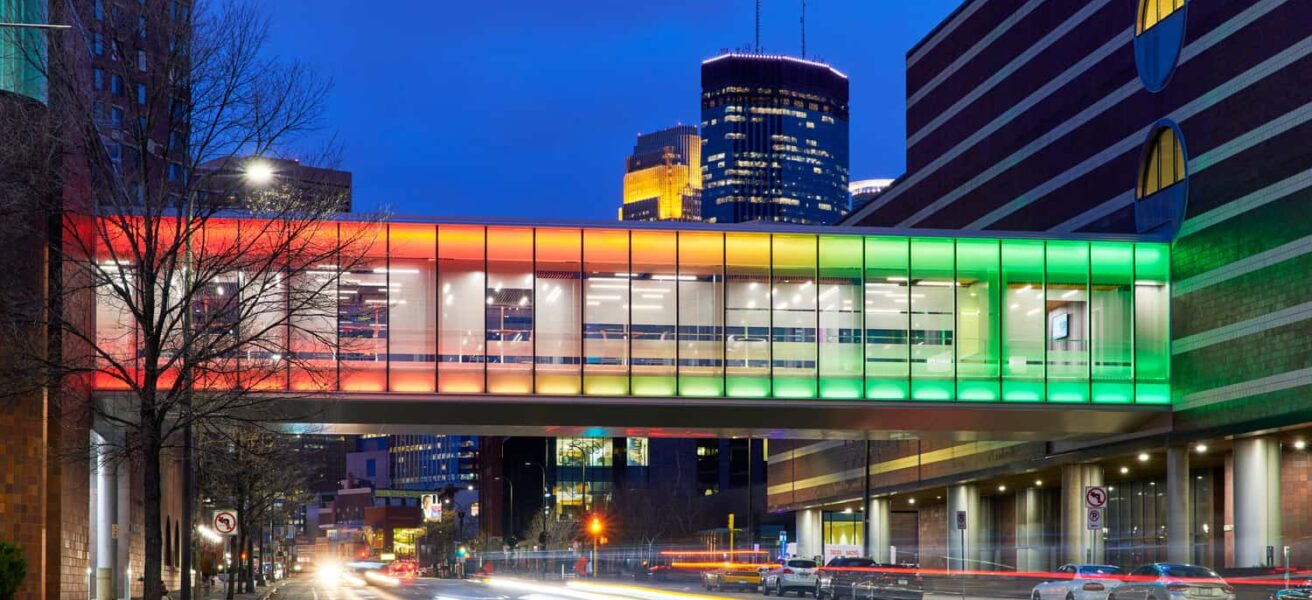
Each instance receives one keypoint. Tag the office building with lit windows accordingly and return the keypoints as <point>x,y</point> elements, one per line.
<point>1183,119</point>
<point>432,462</point>
<point>663,176</point>
<point>774,140</point>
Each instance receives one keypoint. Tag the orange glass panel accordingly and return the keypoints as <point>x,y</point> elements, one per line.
<point>555,309</point>
<point>509,305</point>
<point>461,302</point>
<point>747,314</point>
<point>701,313</point>
<point>313,314</point>
<point>656,313</point>
<point>412,281</point>
<point>363,308</point>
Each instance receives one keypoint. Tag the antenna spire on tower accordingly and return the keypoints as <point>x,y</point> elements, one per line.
<point>758,26</point>
<point>803,28</point>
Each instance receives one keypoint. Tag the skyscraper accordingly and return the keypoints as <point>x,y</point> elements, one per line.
<point>865,190</point>
<point>774,137</point>
<point>663,177</point>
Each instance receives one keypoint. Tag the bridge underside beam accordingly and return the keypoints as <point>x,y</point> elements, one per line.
<point>690,417</point>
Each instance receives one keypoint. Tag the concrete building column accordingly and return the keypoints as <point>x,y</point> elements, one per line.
<point>123,545</point>
<point>106,516</point>
<point>879,540</point>
<point>810,533</point>
<point>1078,543</point>
<point>963,498</point>
<point>1179,506</point>
<point>1029,531</point>
<point>1256,492</point>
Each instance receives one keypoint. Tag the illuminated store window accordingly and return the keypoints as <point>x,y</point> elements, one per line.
<point>1163,165</point>
<point>1151,12</point>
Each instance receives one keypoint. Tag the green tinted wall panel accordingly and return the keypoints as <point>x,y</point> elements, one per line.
<point>1152,356</point>
<point>933,323</point>
<point>1066,318</point>
<point>1111,331</point>
<point>793,319</point>
<point>887,318</point>
<point>978,340</point>
<point>1022,321</point>
<point>840,338</point>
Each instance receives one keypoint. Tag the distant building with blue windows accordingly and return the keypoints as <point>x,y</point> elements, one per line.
<point>774,140</point>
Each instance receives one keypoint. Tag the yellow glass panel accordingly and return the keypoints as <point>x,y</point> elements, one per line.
<point>1179,160</point>
<point>1150,178</point>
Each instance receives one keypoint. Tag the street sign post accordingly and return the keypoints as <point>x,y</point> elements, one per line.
<point>961,520</point>
<point>961,528</point>
<point>1095,502</point>
<point>1095,519</point>
<point>224,522</point>
<point>1095,496</point>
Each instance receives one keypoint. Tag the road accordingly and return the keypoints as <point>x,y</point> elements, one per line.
<point>508,588</point>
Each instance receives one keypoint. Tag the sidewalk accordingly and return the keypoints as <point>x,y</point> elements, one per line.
<point>220,590</point>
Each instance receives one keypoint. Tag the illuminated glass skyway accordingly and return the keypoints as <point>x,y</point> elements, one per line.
<point>469,309</point>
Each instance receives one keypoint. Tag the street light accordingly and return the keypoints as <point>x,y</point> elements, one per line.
<point>258,172</point>
<point>512,501</point>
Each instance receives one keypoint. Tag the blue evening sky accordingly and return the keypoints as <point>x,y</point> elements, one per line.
<point>528,108</point>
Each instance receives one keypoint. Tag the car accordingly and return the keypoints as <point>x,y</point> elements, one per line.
<point>1079,582</point>
<point>1302,591</point>
<point>890,582</point>
<point>791,575</point>
<point>741,577</point>
<point>1172,581</point>
<point>839,578</point>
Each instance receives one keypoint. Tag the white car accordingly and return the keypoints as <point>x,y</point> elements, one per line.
<point>1079,582</point>
<point>1169,581</point>
<point>792,575</point>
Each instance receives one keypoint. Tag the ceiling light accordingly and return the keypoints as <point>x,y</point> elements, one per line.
<point>1143,457</point>
<point>1002,488</point>
<point>1038,483</point>
<point>911,500</point>
<point>1200,448</point>
<point>1299,444</point>
<point>1125,470</point>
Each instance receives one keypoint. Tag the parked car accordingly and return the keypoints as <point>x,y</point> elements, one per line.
<point>1170,581</point>
<point>740,577</point>
<point>1079,582</point>
<point>890,582</point>
<point>791,575</point>
<point>838,578</point>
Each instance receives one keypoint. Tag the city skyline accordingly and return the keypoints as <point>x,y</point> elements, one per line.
<point>438,123</point>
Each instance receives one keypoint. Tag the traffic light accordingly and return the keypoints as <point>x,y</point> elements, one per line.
<point>461,552</point>
<point>595,526</point>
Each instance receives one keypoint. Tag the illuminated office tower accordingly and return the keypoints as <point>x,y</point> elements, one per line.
<point>774,137</point>
<point>663,178</point>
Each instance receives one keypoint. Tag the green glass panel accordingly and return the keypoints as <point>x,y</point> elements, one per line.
<point>747,386</point>
<point>652,385</point>
<point>1152,393</point>
<point>933,319</point>
<point>701,386</point>
<point>1152,359</point>
<point>978,338</point>
<point>793,295</point>
<point>1113,392</point>
<point>887,318</point>
<point>840,312</point>
<point>1111,334</point>
<point>1066,315</point>
<point>1022,321</point>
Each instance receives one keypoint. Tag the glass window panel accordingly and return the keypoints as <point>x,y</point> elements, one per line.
<point>978,339</point>
<point>362,311</point>
<point>933,319</point>
<point>412,279</point>
<point>509,310</point>
<point>1152,358</point>
<point>1067,320</point>
<point>840,339</point>
<point>1022,321</point>
<point>116,329</point>
<point>888,318</point>
<point>793,331</point>
<point>606,312</point>
<point>221,308</point>
<point>655,345</point>
<point>558,329</point>
<point>747,314</point>
<point>313,319</point>
<point>701,313</point>
<point>1111,297</point>
<point>462,300</point>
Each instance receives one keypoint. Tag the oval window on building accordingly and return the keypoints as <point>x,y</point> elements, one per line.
<point>1158,37</point>
<point>1162,186</point>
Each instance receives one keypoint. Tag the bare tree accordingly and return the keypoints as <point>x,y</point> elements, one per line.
<point>191,318</point>
<point>257,472</point>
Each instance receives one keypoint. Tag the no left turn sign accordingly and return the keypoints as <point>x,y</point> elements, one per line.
<point>225,522</point>
<point>1095,496</point>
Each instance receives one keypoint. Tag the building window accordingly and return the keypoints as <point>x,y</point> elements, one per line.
<point>98,43</point>
<point>99,7</point>
<point>98,79</point>
<point>115,84</point>
<point>1163,163</point>
<point>141,94</point>
<point>141,60</point>
<point>116,117</point>
<point>1151,12</point>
